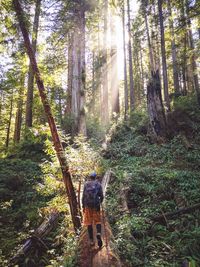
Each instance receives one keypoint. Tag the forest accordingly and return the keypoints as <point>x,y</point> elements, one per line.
<point>105,86</point>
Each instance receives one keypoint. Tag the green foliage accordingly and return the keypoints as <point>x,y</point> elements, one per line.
<point>156,178</point>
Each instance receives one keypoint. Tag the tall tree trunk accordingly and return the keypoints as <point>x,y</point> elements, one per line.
<point>9,121</point>
<point>141,67</point>
<point>68,109</point>
<point>158,128</point>
<point>104,98</point>
<point>29,101</point>
<point>173,48</point>
<point>55,137</point>
<point>193,57</point>
<point>132,93</point>
<point>151,57</point>
<point>18,119</point>
<point>164,62</point>
<point>82,72</point>
<point>126,106</point>
<point>75,79</point>
<point>114,70</point>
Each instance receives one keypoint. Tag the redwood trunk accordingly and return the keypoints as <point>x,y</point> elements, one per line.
<point>55,137</point>
<point>104,96</point>
<point>114,70</point>
<point>174,53</point>
<point>158,128</point>
<point>29,102</point>
<point>132,93</point>
<point>164,62</point>
<point>151,58</point>
<point>18,119</point>
<point>126,106</point>
<point>82,72</point>
<point>9,122</point>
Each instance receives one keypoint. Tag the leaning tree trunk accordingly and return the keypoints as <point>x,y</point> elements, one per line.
<point>55,137</point>
<point>36,238</point>
<point>29,102</point>
<point>158,127</point>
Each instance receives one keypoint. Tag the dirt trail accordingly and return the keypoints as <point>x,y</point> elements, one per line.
<point>93,256</point>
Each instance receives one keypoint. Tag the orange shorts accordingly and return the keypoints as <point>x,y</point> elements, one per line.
<point>91,216</point>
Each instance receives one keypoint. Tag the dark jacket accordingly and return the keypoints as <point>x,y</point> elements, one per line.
<point>99,193</point>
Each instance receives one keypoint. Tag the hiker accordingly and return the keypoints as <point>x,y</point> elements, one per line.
<point>91,201</point>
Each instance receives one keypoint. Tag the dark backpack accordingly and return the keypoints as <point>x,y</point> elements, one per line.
<point>91,198</point>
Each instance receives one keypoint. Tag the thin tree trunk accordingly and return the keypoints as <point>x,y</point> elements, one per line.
<point>151,58</point>
<point>141,67</point>
<point>68,109</point>
<point>82,123</point>
<point>132,93</point>
<point>193,57</point>
<point>104,100</point>
<point>55,137</point>
<point>9,121</point>
<point>174,53</point>
<point>114,71</point>
<point>18,120</point>
<point>126,106</point>
<point>29,101</point>
<point>164,62</point>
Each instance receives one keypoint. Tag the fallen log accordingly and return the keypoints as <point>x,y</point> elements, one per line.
<point>43,230</point>
<point>170,215</point>
<point>107,255</point>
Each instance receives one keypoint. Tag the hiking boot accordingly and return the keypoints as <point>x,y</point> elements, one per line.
<point>99,240</point>
<point>92,243</point>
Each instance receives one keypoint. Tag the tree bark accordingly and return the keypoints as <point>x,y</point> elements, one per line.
<point>104,95</point>
<point>29,101</point>
<point>18,119</point>
<point>42,231</point>
<point>164,62</point>
<point>68,109</point>
<point>170,215</point>
<point>174,53</point>
<point>55,137</point>
<point>151,58</point>
<point>131,85</point>
<point>126,105</point>
<point>9,121</point>
<point>193,57</point>
<point>114,70</point>
<point>82,123</point>
<point>158,127</point>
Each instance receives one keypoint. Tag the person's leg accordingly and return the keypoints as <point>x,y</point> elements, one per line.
<point>90,234</point>
<point>99,240</point>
